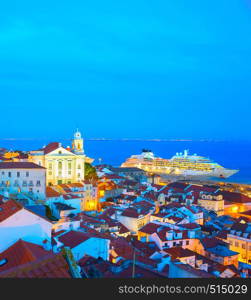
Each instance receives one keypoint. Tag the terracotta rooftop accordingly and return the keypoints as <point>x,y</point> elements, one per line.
<point>50,266</point>
<point>210,242</point>
<point>51,147</point>
<point>235,197</point>
<point>19,165</point>
<point>179,252</point>
<point>191,226</point>
<point>73,238</point>
<point>150,228</point>
<point>50,192</point>
<point>8,209</point>
<point>123,229</point>
<point>20,253</point>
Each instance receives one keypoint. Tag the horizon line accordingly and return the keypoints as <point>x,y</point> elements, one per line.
<point>133,139</point>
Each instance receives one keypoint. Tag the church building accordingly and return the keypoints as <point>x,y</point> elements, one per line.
<point>63,165</point>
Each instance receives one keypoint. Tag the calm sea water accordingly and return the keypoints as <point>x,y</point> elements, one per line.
<point>233,155</point>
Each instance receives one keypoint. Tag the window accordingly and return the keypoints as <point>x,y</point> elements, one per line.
<point>243,246</point>
<point>2,173</point>
<point>60,165</point>
<point>187,242</point>
<point>27,174</point>
<point>50,166</point>
<point>236,244</point>
<point>79,166</point>
<point>9,174</point>
<point>38,183</point>
<point>59,152</point>
<point>18,174</point>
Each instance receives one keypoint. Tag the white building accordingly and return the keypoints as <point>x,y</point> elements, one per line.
<point>17,222</point>
<point>82,244</point>
<point>23,177</point>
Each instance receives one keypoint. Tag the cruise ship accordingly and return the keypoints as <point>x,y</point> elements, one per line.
<point>180,165</point>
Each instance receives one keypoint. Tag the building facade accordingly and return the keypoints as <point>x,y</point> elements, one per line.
<point>63,165</point>
<point>212,202</point>
<point>23,178</point>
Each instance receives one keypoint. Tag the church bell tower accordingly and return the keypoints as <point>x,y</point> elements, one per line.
<point>78,143</point>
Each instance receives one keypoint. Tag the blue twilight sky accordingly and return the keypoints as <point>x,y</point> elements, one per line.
<point>125,69</point>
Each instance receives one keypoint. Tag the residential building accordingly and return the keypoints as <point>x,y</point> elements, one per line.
<point>212,202</point>
<point>239,239</point>
<point>17,222</point>
<point>23,178</point>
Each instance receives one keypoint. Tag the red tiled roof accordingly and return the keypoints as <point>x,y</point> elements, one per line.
<point>20,253</point>
<point>130,212</point>
<point>179,252</point>
<point>123,229</point>
<point>19,165</point>
<point>178,185</point>
<point>73,238</point>
<point>51,147</point>
<point>54,234</point>
<point>50,192</point>
<point>211,242</point>
<point>71,196</point>
<point>235,197</point>
<point>191,225</point>
<point>8,209</point>
<point>175,219</point>
<point>201,188</point>
<point>149,228</point>
<point>50,266</point>
<point>77,184</point>
<point>246,213</point>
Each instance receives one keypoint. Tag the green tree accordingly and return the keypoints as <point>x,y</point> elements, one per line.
<point>90,172</point>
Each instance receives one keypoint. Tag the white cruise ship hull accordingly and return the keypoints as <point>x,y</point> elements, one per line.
<point>218,173</point>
